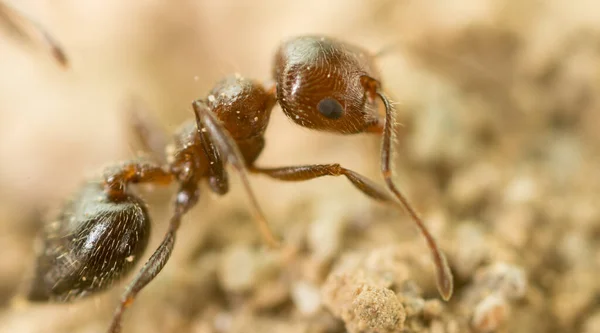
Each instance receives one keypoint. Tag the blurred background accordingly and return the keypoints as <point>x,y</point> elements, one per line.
<point>499,102</point>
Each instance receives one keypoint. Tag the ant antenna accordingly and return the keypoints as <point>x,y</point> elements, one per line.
<point>444,279</point>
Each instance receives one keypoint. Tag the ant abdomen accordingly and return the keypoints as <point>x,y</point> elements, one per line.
<point>325,84</point>
<point>94,241</point>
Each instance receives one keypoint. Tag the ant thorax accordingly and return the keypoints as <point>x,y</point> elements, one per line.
<point>243,106</point>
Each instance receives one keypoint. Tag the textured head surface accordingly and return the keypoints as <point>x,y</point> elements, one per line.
<point>321,84</point>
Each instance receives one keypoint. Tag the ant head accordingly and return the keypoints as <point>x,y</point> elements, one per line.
<point>243,105</point>
<point>325,84</point>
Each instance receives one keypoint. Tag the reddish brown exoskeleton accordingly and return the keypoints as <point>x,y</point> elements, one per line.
<point>328,85</point>
<point>321,83</point>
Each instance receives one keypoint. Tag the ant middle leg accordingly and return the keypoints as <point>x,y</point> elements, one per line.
<point>145,132</point>
<point>185,199</point>
<point>211,128</point>
<point>117,177</point>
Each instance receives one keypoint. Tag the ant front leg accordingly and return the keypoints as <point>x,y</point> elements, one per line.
<point>308,172</point>
<point>368,187</point>
<point>186,198</point>
<point>218,135</point>
<point>217,179</point>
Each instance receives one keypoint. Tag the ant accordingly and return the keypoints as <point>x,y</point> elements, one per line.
<point>321,83</point>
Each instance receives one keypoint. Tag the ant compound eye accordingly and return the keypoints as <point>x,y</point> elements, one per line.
<point>330,108</point>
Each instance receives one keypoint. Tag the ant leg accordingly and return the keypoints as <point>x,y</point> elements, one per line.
<point>116,178</point>
<point>185,199</point>
<point>445,281</point>
<point>25,27</point>
<point>308,172</point>
<point>217,178</point>
<point>146,132</point>
<point>208,122</point>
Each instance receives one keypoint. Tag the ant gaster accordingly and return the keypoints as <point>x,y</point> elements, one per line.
<point>321,83</point>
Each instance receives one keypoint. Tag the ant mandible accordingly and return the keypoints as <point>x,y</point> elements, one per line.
<point>321,83</point>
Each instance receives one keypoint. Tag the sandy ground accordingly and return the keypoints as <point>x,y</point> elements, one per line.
<point>499,150</point>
